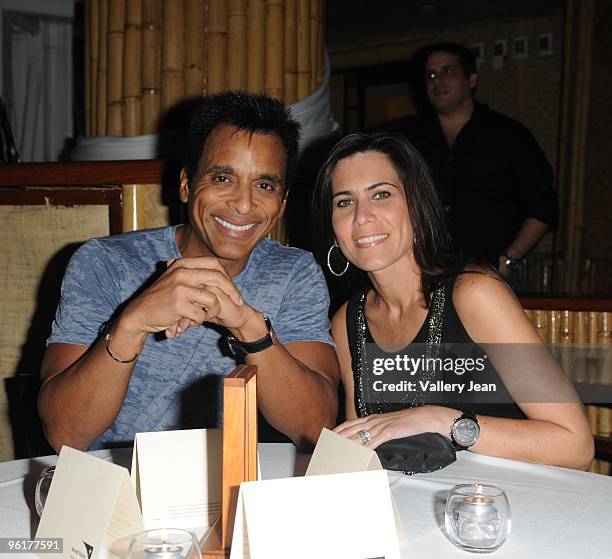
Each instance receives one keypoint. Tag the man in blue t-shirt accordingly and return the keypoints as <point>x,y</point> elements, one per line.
<point>150,321</point>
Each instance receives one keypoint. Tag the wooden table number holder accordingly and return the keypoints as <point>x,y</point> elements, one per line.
<point>239,454</point>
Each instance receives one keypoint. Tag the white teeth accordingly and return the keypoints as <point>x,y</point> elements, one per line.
<point>372,239</point>
<point>232,226</point>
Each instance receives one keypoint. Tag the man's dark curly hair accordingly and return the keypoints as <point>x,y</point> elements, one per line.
<point>253,113</point>
<point>465,55</point>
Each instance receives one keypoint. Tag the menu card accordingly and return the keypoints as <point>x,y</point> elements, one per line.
<point>91,505</point>
<point>343,508</point>
<point>177,477</point>
<point>327,516</point>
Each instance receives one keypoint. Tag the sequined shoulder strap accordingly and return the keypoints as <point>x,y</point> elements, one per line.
<point>365,404</point>
<point>436,319</point>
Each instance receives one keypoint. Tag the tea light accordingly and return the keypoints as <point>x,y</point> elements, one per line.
<point>477,517</point>
<point>477,520</point>
<point>163,552</point>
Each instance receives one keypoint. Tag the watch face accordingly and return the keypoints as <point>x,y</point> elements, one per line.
<point>465,432</point>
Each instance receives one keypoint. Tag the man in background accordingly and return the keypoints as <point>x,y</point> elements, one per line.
<point>494,179</point>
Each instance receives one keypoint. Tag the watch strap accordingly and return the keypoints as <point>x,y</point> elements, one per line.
<point>240,348</point>
<point>513,263</point>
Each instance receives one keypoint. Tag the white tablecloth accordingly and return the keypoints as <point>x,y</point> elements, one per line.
<point>556,513</point>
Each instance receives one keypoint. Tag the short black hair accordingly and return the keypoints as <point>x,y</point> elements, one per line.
<point>465,55</point>
<point>253,113</point>
<point>424,205</point>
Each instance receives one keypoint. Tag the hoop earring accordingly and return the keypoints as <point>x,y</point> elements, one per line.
<point>329,266</point>
<point>414,238</point>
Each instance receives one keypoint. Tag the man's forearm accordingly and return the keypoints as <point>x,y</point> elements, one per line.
<point>296,384</point>
<point>79,403</point>
<point>293,398</point>
<point>530,232</point>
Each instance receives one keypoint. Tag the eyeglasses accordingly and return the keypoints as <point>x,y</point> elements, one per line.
<point>446,71</point>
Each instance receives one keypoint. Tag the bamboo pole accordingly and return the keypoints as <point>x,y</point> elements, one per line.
<point>604,338</point>
<point>133,207</point>
<point>102,68</point>
<point>581,335</point>
<point>314,42</point>
<point>116,16</point>
<point>151,65</point>
<point>604,335</point>
<point>566,337</point>
<point>303,48</point>
<point>195,60</point>
<point>290,63</point>
<point>567,327</point>
<point>554,331</point>
<point>539,320</point>
<point>256,46</point>
<point>217,46</point>
<point>594,412</point>
<point>237,32</point>
<point>87,68</point>
<point>275,42</point>
<point>205,52</point>
<point>132,76</point>
<point>565,106</point>
<point>91,65</point>
<point>321,45</point>
<point>576,168</point>
<point>172,78</point>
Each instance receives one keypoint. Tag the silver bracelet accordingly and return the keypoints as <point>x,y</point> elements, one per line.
<point>107,337</point>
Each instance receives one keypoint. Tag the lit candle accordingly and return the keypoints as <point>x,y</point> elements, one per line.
<point>477,521</point>
<point>163,551</point>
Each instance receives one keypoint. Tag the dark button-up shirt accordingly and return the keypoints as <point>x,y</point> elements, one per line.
<point>493,178</point>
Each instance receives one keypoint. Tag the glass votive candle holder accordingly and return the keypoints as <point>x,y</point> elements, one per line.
<point>477,517</point>
<point>164,543</point>
<point>43,483</point>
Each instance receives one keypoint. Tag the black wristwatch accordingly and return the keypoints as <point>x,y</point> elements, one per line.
<point>465,431</point>
<point>240,348</point>
<point>513,263</point>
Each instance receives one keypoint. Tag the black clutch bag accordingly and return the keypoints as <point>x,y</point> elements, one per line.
<point>421,453</point>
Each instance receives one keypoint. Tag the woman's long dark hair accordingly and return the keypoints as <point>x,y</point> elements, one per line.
<point>425,208</point>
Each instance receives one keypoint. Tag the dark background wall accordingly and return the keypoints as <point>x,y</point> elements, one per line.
<point>598,187</point>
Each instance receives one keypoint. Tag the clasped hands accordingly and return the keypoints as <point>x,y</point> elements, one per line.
<point>190,291</point>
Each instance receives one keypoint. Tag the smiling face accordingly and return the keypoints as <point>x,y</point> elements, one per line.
<point>370,214</point>
<point>236,197</point>
<point>448,89</point>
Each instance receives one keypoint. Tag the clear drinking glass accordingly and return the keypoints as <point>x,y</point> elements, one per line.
<point>42,488</point>
<point>477,517</point>
<point>164,543</point>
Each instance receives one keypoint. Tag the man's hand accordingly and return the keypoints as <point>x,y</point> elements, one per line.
<point>190,291</point>
<point>530,232</point>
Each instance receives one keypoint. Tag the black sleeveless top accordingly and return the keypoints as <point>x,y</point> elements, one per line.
<point>450,330</point>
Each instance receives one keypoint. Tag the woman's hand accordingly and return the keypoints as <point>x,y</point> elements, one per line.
<point>398,424</point>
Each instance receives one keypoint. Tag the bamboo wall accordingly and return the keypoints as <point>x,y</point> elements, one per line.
<point>144,56</point>
<point>581,328</point>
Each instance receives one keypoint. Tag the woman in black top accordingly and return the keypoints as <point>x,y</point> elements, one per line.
<point>376,211</point>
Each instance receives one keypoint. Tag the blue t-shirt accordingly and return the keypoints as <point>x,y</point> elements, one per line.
<point>176,384</point>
